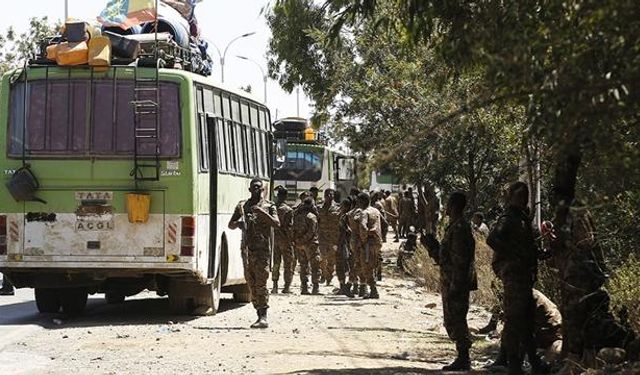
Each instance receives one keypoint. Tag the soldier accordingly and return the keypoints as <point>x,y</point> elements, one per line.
<point>329,234</point>
<point>7,287</point>
<point>370,240</point>
<point>352,218</point>
<point>283,248</point>
<point>314,194</point>
<point>391,207</point>
<point>457,279</point>
<point>305,240</point>
<point>515,262</point>
<point>343,255</point>
<point>256,217</point>
<point>377,201</point>
<point>406,211</point>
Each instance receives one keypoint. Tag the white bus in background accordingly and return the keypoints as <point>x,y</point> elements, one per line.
<point>384,179</point>
<point>307,161</point>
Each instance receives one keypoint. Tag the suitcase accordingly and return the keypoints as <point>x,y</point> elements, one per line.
<point>100,51</point>
<point>72,53</point>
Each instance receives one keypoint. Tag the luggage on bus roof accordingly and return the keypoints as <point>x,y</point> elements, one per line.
<point>291,124</point>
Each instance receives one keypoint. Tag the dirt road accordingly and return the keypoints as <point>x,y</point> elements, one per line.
<point>399,333</point>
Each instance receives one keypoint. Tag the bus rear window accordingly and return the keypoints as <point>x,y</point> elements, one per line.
<point>80,118</point>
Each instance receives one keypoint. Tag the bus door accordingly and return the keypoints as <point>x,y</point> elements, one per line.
<point>212,132</point>
<point>345,174</point>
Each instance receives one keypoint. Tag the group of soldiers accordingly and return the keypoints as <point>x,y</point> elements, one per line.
<point>587,323</point>
<point>321,237</point>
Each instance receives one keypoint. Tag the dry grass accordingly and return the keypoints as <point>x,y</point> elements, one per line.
<point>427,274</point>
<point>624,290</point>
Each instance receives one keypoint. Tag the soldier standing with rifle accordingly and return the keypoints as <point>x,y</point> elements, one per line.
<point>256,217</point>
<point>305,240</point>
<point>283,248</point>
<point>343,254</point>
<point>456,257</point>
<point>370,236</point>
<point>329,234</point>
<point>515,262</point>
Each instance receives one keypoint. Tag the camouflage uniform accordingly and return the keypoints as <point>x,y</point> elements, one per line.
<point>391,208</point>
<point>515,263</point>
<point>587,320</point>
<point>406,210</point>
<point>343,255</point>
<point>457,279</point>
<point>329,235</point>
<point>305,231</point>
<point>283,248</point>
<point>548,321</point>
<point>256,248</point>
<point>370,240</point>
<point>352,219</point>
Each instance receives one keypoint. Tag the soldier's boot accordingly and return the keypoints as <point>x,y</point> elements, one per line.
<point>374,293</point>
<point>347,290</point>
<point>287,288</point>
<point>362,291</point>
<point>462,361</point>
<point>316,289</point>
<point>262,319</point>
<point>274,290</point>
<point>490,327</point>
<point>304,289</point>
<point>356,288</point>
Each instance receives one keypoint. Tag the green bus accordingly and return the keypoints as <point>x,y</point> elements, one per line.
<point>121,204</point>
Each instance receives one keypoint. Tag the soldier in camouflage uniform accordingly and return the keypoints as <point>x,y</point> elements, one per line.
<point>457,279</point>
<point>391,207</point>
<point>343,254</point>
<point>352,218</point>
<point>283,248</point>
<point>305,240</point>
<point>369,234</point>
<point>588,324</point>
<point>515,262</point>
<point>329,234</point>
<point>256,217</point>
<point>406,212</point>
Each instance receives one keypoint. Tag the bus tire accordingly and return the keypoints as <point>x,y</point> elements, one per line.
<point>243,295</point>
<point>47,300</point>
<point>73,301</point>
<point>114,297</point>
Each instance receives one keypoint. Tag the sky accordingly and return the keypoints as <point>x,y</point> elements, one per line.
<point>221,21</point>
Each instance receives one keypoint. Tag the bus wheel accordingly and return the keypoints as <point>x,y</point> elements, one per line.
<point>114,297</point>
<point>47,300</point>
<point>73,300</point>
<point>242,295</point>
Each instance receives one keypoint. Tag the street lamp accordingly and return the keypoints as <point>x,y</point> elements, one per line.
<point>224,54</point>
<point>265,78</point>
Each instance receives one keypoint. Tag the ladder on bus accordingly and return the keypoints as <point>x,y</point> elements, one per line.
<point>146,107</point>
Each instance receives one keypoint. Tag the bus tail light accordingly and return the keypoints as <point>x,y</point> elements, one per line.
<point>188,234</point>
<point>3,234</point>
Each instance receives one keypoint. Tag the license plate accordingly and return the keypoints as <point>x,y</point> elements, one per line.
<point>94,225</point>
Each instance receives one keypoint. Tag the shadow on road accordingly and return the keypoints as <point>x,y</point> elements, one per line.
<point>139,311</point>
<point>376,371</point>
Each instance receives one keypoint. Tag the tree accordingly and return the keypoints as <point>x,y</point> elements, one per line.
<point>16,49</point>
<point>388,101</point>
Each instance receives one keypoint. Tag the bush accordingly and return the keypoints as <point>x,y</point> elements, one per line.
<point>624,288</point>
<point>427,272</point>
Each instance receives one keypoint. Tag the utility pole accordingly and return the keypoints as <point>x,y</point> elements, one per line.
<point>265,78</point>
<point>298,101</point>
<point>66,10</point>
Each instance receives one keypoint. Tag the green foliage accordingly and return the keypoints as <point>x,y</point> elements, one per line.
<point>624,290</point>
<point>15,49</point>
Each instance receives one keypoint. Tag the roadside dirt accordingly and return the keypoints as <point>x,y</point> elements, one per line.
<point>400,333</point>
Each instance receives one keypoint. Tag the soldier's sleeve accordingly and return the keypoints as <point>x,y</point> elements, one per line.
<point>236,218</point>
<point>498,237</point>
<point>287,226</point>
<point>273,213</point>
<point>311,229</point>
<point>462,249</point>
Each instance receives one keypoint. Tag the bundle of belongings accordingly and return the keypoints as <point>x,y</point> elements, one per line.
<point>128,34</point>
